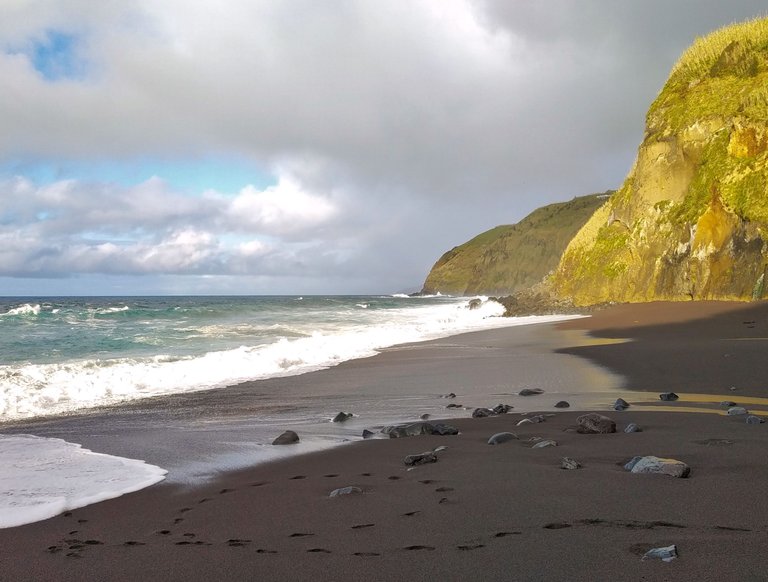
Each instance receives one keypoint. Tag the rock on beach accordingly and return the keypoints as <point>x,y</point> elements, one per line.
<point>594,423</point>
<point>651,464</point>
<point>287,438</point>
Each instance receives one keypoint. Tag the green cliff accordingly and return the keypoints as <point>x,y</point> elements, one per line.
<point>508,258</point>
<point>691,219</point>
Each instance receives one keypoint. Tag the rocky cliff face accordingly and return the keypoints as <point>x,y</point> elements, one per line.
<point>691,219</point>
<point>512,257</point>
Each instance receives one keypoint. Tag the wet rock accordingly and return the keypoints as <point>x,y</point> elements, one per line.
<point>420,459</point>
<point>287,438</point>
<point>351,490</point>
<point>502,437</point>
<point>727,403</point>
<point>752,419</point>
<point>530,392</point>
<point>408,430</point>
<point>594,423</point>
<point>620,404</point>
<point>533,420</point>
<point>367,434</point>
<point>424,416</point>
<point>454,406</point>
<point>342,416</point>
<point>666,554</point>
<point>449,395</point>
<point>501,408</point>
<point>474,304</point>
<point>632,427</point>
<point>562,404</point>
<point>737,410</point>
<point>569,464</point>
<point>445,430</point>
<point>651,464</point>
<point>668,396</point>
<point>544,444</point>
<point>482,412</point>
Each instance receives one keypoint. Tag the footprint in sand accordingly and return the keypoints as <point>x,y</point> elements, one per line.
<point>178,520</point>
<point>443,489</point>
<point>366,554</point>
<point>133,543</point>
<point>442,500</point>
<point>185,509</point>
<point>411,513</point>
<point>74,555</point>
<point>557,525</point>
<point>298,477</point>
<point>427,481</point>
<point>189,535</point>
<point>237,542</point>
<point>300,535</point>
<point>259,484</point>
<point>470,547</point>
<point>163,532</point>
<point>394,477</point>
<point>503,534</point>
<point>82,521</point>
<point>319,551</point>
<point>73,532</point>
<point>366,474</point>
<point>204,500</point>
<point>263,551</point>
<point>223,491</point>
<point>362,525</point>
<point>418,547</point>
<point>54,549</point>
<point>331,475</point>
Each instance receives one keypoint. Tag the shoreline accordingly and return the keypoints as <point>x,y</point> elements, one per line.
<point>480,512</point>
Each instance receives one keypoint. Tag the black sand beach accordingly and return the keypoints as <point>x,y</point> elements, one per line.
<point>506,512</point>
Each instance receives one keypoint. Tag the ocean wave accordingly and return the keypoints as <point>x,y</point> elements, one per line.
<point>28,390</point>
<point>110,310</point>
<point>26,309</point>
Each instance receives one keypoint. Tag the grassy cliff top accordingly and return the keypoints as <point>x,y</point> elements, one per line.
<point>721,75</point>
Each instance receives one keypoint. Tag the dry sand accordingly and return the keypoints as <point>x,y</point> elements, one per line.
<point>481,512</point>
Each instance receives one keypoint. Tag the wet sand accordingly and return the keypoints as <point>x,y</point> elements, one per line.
<point>506,512</point>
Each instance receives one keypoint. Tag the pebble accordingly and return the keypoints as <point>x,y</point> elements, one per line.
<point>544,444</point>
<point>570,464</point>
<point>651,464</point>
<point>752,419</point>
<point>620,404</point>
<point>420,459</point>
<point>482,412</point>
<point>666,554</point>
<point>668,396</point>
<point>727,403</point>
<point>737,410</point>
<point>425,416</point>
<point>530,392</point>
<point>502,437</point>
<point>454,406</point>
<point>501,408</point>
<point>562,404</point>
<point>632,427</point>
<point>345,491</point>
<point>533,420</point>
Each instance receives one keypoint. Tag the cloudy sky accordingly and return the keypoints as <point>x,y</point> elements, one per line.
<point>308,146</point>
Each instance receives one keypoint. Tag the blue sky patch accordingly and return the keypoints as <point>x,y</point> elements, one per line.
<point>56,56</point>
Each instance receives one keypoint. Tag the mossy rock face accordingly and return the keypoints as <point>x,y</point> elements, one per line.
<point>508,258</point>
<point>694,208</point>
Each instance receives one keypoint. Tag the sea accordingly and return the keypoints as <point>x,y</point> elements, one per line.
<point>65,355</point>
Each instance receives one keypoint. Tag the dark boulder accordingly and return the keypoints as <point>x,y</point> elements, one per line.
<point>445,430</point>
<point>367,434</point>
<point>482,412</point>
<point>530,392</point>
<point>501,408</point>
<point>594,423</point>
<point>287,438</point>
<point>420,459</point>
<point>342,416</point>
<point>668,396</point>
<point>562,404</point>
<point>502,437</point>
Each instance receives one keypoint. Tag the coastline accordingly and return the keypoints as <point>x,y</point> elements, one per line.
<point>481,512</point>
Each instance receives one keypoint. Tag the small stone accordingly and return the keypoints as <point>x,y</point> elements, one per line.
<point>287,438</point>
<point>530,392</point>
<point>651,464</point>
<point>367,434</point>
<point>570,464</point>
<point>544,444</point>
<point>424,417</point>
<point>351,490</point>
<point>454,406</point>
<point>450,395</point>
<point>666,554</point>
<point>502,437</point>
<point>668,396</point>
<point>727,403</point>
<point>737,410</point>
<point>420,459</point>
<point>594,423</point>
<point>562,404</point>
<point>482,412</point>
<point>533,419</point>
<point>632,427</point>
<point>501,408</point>
<point>440,449</point>
<point>752,419</point>
<point>408,430</point>
<point>620,404</point>
<point>342,416</point>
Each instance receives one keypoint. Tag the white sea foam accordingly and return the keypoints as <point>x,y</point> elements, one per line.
<point>26,309</point>
<point>108,310</point>
<point>44,477</point>
<point>37,389</point>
